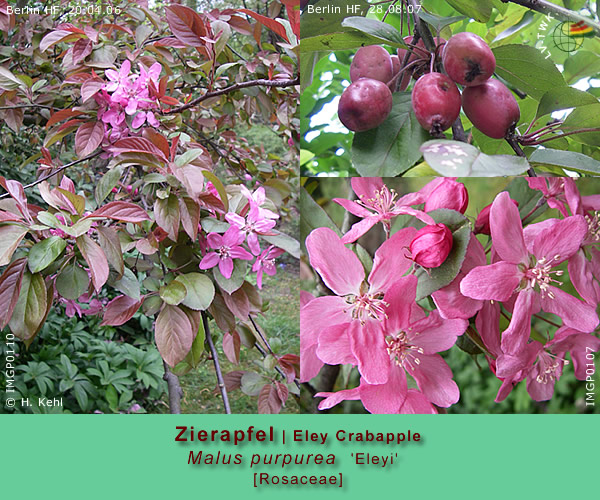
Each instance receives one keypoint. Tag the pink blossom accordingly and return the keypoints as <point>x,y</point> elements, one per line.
<point>447,193</point>
<point>227,247</point>
<point>358,305</point>
<point>252,225</point>
<point>259,198</point>
<point>527,272</point>
<point>265,262</point>
<point>431,245</point>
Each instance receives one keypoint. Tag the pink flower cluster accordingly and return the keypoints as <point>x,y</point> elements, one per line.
<point>127,95</point>
<point>245,228</point>
<point>377,325</point>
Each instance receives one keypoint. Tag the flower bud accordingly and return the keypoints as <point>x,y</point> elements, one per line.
<point>448,194</point>
<point>482,224</point>
<point>431,245</point>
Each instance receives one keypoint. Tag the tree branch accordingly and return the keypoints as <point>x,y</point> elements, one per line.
<point>57,171</point>
<point>514,143</point>
<point>233,88</point>
<point>557,11</point>
<point>175,392</point>
<point>215,356</point>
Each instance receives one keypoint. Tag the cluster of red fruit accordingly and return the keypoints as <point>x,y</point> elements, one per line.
<point>436,100</point>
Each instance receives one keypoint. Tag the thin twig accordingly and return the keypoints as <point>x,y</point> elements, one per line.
<point>215,356</point>
<point>18,106</point>
<point>57,171</point>
<point>264,339</point>
<point>512,140</point>
<point>233,88</point>
<point>174,389</point>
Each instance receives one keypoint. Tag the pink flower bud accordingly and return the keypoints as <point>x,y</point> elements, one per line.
<point>448,194</point>
<point>482,224</point>
<point>431,245</point>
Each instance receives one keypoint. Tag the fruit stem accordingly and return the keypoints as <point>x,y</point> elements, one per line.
<point>512,140</point>
<point>422,28</point>
<point>535,141</point>
<point>531,135</point>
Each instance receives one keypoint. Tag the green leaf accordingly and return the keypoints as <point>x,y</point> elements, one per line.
<point>526,197</point>
<point>44,253</point>
<point>525,21</point>
<point>173,293</point>
<point>30,310</point>
<point>380,30</point>
<point>584,117</point>
<point>393,147</point>
<point>219,187</point>
<point>200,290</point>
<point>237,277</point>
<point>568,159</point>
<point>107,182</point>
<point>431,280</point>
<point>338,41</point>
<point>439,23</point>
<point>252,383</point>
<point>325,17</point>
<point>563,98</point>
<point>480,10</point>
<point>523,67</point>
<point>72,282</point>
<point>313,216</point>
<point>128,284</point>
<point>581,65</point>
<point>8,81</point>
<point>458,159</point>
<point>285,242</point>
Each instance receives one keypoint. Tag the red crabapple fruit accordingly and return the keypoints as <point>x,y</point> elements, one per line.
<point>373,62</point>
<point>491,107</point>
<point>436,102</point>
<point>468,60</point>
<point>365,104</point>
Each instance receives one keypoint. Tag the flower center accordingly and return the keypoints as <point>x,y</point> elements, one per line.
<point>542,275</point>
<point>224,252</point>
<point>402,352</point>
<point>383,201</point>
<point>367,305</point>
<point>593,222</point>
<point>549,368</point>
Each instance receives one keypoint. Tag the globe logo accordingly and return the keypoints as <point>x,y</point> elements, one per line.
<point>568,37</point>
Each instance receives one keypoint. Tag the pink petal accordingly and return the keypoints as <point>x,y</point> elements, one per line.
<point>516,336</point>
<point>233,237</point>
<point>390,260</point>
<point>209,260</point>
<point>558,242</point>
<point>507,230</point>
<point>353,207</point>
<point>401,299</point>
<point>310,364</point>
<point>138,120</point>
<point>508,365</point>
<point>434,378</point>
<point>226,267</point>
<point>240,253</point>
<point>388,397</point>
<point>494,282</point>
<point>572,311</point>
<point>416,403</point>
<point>366,186</point>
<point>215,240</point>
<point>318,314</point>
<point>339,267</point>
<point>435,334</point>
<point>360,228</point>
<point>488,327</point>
<point>305,297</point>
<point>582,277</point>
<point>333,398</point>
<point>369,348</point>
<point>235,219</point>
<point>334,345</point>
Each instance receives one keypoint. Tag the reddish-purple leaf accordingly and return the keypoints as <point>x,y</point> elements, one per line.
<point>61,115</point>
<point>57,36</point>
<point>88,137</point>
<point>290,364</point>
<point>120,310</point>
<point>186,25</point>
<point>189,212</point>
<point>122,211</point>
<point>10,237</point>
<point>90,88</point>
<point>231,347</point>
<point>9,217</point>
<point>10,287</point>
<point>82,49</point>
<point>14,118</point>
<point>17,192</point>
<point>170,41</point>
<point>272,24</point>
<point>173,334</point>
<point>137,145</point>
<point>94,256</point>
<point>238,303</point>
<point>282,391</point>
<point>268,400</point>
<point>233,380</point>
<point>167,215</point>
